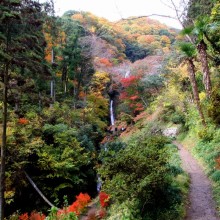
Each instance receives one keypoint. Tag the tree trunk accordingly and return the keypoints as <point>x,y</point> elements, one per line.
<point>205,68</point>
<point>38,191</point>
<point>64,79</point>
<point>195,90</point>
<point>4,139</point>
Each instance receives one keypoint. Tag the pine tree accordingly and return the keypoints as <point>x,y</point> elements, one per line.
<point>21,52</point>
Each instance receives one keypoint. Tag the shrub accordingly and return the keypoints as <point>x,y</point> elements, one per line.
<point>177,118</point>
<point>104,199</point>
<point>33,216</point>
<point>79,205</point>
<point>23,216</point>
<point>128,210</point>
<point>141,171</point>
<point>216,175</point>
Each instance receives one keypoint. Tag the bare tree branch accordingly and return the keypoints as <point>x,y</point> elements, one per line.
<point>38,191</point>
<point>166,4</point>
<point>146,16</point>
<point>178,17</point>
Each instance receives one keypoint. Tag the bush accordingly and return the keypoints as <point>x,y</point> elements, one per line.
<point>141,171</point>
<point>216,175</point>
<point>128,210</point>
<point>177,118</point>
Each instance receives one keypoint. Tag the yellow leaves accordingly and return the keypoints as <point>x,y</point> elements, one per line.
<point>62,37</point>
<point>78,17</point>
<point>165,40</point>
<point>202,96</point>
<point>215,14</point>
<point>92,29</point>
<point>9,196</point>
<point>166,50</point>
<point>181,71</point>
<point>51,42</point>
<point>146,39</point>
<point>99,81</point>
<point>58,74</point>
<point>184,70</point>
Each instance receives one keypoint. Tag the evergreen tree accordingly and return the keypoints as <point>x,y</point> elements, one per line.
<point>21,52</point>
<point>76,63</point>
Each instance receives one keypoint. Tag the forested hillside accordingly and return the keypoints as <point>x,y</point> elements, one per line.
<point>85,106</point>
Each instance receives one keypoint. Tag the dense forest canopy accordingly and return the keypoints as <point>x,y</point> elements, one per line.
<point>61,77</point>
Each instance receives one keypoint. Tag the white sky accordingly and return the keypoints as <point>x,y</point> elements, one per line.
<point>114,10</point>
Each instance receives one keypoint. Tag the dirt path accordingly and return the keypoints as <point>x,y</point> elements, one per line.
<point>202,206</point>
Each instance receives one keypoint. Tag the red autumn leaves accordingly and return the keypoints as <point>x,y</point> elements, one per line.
<point>77,207</point>
<point>130,93</point>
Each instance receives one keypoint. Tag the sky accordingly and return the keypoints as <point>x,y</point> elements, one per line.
<point>114,10</point>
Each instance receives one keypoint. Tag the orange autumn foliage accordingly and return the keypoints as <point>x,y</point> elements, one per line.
<point>37,216</point>
<point>23,216</point>
<point>23,121</point>
<point>105,62</point>
<point>33,216</point>
<point>78,206</point>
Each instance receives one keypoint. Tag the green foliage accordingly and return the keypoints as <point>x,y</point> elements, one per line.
<point>57,149</point>
<point>213,108</point>
<point>128,210</point>
<point>188,49</point>
<point>141,172</point>
<point>198,8</point>
<point>170,114</point>
<point>110,150</point>
<point>216,176</point>
<point>135,52</point>
<point>64,216</point>
<point>215,16</point>
<point>206,134</point>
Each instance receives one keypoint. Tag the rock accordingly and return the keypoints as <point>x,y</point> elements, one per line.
<point>171,132</point>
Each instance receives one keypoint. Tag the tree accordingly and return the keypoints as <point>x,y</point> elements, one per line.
<point>76,56</point>
<point>189,53</point>
<point>21,51</point>
<point>199,32</point>
<point>197,8</point>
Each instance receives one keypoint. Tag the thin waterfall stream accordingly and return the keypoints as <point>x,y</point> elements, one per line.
<point>112,121</point>
<point>112,113</point>
<point>99,181</point>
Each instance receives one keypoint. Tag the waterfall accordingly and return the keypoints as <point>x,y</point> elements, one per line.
<point>99,184</point>
<point>112,113</point>
<point>127,74</point>
<point>52,56</point>
<point>99,180</point>
<point>51,89</point>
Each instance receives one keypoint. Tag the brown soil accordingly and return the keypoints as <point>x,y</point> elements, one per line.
<point>201,205</point>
